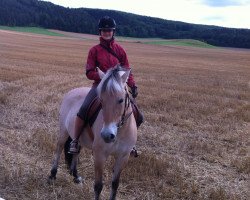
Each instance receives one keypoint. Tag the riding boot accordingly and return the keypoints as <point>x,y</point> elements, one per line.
<point>74,146</point>
<point>139,118</point>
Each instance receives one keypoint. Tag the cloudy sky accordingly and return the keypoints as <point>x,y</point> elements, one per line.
<point>227,13</point>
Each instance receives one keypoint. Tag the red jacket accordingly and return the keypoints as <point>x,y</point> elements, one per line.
<point>100,57</point>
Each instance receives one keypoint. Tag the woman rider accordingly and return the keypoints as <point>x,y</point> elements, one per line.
<point>105,55</point>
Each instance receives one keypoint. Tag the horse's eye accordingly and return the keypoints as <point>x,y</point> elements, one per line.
<point>120,101</point>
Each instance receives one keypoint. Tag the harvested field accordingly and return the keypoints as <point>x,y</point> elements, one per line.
<point>195,141</point>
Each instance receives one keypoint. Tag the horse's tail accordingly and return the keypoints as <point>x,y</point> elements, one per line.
<point>68,156</point>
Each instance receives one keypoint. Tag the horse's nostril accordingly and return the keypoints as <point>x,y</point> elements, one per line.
<point>112,136</point>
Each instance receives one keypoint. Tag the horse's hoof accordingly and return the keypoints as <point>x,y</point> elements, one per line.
<point>51,180</point>
<point>78,180</point>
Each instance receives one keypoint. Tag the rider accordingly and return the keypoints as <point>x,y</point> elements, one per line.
<point>105,55</point>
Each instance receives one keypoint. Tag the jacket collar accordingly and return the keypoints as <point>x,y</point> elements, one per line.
<point>107,43</point>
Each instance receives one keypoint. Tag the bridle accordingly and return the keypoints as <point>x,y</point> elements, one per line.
<point>125,117</point>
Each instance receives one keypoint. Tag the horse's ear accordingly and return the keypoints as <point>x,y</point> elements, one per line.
<point>124,75</point>
<point>101,73</point>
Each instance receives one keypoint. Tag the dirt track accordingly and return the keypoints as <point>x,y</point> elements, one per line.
<point>195,142</point>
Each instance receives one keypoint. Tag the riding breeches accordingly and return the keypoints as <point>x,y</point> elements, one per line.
<point>88,101</point>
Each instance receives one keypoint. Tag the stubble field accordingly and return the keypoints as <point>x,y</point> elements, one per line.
<point>195,142</point>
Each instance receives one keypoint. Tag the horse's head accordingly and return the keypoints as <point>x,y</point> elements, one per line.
<point>112,93</point>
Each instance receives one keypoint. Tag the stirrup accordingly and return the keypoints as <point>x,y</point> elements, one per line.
<point>74,149</point>
<point>134,152</point>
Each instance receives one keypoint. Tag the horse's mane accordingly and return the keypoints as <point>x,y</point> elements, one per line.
<point>111,82</point>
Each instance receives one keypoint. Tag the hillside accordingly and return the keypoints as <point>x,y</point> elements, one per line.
<point>154,41</point>
<point>34,30</point>
<point>84,20</point>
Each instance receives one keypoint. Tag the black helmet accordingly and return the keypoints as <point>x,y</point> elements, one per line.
<point>106,23</point>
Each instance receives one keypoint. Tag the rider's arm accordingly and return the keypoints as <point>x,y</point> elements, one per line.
<point>91,70</point>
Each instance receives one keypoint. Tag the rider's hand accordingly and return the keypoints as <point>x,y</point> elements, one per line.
<point>134,91</point>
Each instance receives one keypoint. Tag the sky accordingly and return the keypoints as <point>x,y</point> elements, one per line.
<point>227,13</point>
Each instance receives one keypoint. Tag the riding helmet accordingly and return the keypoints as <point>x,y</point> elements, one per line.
<point>106,23</point>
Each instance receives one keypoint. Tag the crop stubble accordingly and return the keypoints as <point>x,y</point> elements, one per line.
<point>194,142</point>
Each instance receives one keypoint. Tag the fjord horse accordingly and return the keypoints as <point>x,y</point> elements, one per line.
<point>114,130</point>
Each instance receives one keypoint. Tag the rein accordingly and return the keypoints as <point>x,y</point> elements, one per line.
<point>125,117</point>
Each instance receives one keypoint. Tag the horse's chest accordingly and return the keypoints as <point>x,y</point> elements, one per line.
<point>119,147</point>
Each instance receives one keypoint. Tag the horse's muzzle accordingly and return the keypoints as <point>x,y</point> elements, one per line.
<point>108,133</point>
<point>108,137</point>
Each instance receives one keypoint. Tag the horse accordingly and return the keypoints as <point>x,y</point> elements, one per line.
<point>114,130</point>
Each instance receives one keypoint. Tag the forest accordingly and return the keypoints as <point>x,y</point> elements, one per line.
<point>84,20</point>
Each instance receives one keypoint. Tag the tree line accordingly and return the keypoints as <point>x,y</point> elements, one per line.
<point>85,20</point>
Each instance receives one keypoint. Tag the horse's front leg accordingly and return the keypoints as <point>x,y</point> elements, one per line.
<point>120,163</point>
<point>99,161</point>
